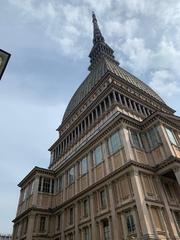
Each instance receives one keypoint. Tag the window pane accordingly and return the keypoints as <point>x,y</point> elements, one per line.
<point>135,139</point>
<point>83,166</point>
<point>130,223</point>
<point>106,230</point>
<point>171,136</point>
<point>103,199</point>
<point>153,137</point>
<point>71,176</point>
<point>71,216</point>
<point>46,185</point>
<point>86,234</point>
<point>177,216</point>
<point>42,224</point>
<point>86,207</point>
<point>98,155</point>
<point>114,143</point>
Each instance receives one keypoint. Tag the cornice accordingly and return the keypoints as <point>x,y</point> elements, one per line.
<point>109,79</point>
<point>33,172</point>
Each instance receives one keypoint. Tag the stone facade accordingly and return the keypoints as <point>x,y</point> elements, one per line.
<point>114,171</point>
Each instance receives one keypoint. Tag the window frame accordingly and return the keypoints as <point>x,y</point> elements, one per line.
<point>138,138</point>
<point>70,176</point>
<point>106,229</point>
<point>130,223</point>
<point>42,224</point>
<point>96,163</point>
<point>103,198</point>
<point>111,144</point>
<point>153,137</point>
<point>172,136</point>
<point>83,171</point>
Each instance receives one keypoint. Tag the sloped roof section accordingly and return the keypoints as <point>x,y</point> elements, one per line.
<point>106,65</point>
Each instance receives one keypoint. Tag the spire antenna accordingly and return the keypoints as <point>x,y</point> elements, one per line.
<point>97,33</point>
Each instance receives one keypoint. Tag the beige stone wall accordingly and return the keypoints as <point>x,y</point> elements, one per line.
<point>130,183</point>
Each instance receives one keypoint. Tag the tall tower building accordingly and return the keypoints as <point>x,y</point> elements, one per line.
<point>114,171</point>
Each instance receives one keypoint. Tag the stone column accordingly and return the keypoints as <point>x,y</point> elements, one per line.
<point>63,226</point>
<point>35,191</point>
<point>93,226</point>
<point>143,213</point>
<point>76,219</point>
<point>168,147</point>
<point>105,156</point>
<point>90,168</point>
<point>30,227</point>
<point>115,232</point>
<point>64,176</point>
<point>76,177</point>
<point>127,144</point>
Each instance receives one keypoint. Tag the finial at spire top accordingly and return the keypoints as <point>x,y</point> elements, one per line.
<point>97,33</point>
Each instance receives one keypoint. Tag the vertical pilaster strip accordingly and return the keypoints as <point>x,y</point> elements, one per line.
<point>126,144</point>
<point>30,226</point>
<point>113,213</point>
<point>141,204</point>
<point>93,225</point>
<point>76,219</point>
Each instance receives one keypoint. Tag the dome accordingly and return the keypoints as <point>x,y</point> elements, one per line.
<point>102,61</point>
<point>96,74</point>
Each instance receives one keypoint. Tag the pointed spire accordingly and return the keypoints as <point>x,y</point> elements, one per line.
<point>97,33</point>
<point>100,49</point>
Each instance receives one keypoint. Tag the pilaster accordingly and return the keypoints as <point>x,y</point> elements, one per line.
<point>142,210</point>
<point>114,222</point>
<point>126,143</point>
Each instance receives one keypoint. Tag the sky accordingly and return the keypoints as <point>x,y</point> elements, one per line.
<point>49,42</point>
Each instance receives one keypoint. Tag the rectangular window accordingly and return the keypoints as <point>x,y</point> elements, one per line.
<point>70,236</point>
<point>86,235</point>
<point>103,199</point>
<point>71,216</point>
<point>106,230</point>
<point>153,137</point>
<point>97,155</point>
<point>71,176</point>
<point>46,185</point>
<point>83,166</point>
<point>130,223</point>
<point>86,208</point>
<point>42,224</point>
<point>177,216</point>
<point>135,139</point>
<point>59,184</point>
<point>58,222</point>
<point>172,136</point>
<point>114,142</point>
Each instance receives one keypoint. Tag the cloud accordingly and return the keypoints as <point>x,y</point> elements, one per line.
<point>163,81</point>
<point>50,41</point>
